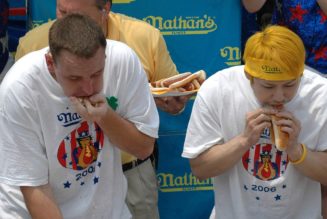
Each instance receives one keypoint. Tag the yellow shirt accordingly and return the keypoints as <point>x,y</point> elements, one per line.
<point>144,39</point>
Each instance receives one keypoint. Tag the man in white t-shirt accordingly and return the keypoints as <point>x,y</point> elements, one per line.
<point>65,113</point>
<point>228,136</point>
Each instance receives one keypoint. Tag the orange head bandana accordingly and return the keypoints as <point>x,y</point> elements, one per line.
<point>269,70</point>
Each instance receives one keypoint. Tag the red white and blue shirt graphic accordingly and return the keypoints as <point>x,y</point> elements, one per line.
<point>79,151</point>
<point>265,163</point>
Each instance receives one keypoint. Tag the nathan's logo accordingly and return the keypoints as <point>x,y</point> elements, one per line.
<point>271,70</point>
<point>183,25</point>
<point>68,119</point>
<point>232,55</point>
<point>171,183</point>
<point>122,1</point>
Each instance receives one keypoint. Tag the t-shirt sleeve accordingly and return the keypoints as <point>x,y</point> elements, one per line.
<point>136,101</point>
<point>204,129</point>
<point>23,157</point>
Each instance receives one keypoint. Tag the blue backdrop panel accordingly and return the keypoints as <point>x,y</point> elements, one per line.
<point>199,35</point>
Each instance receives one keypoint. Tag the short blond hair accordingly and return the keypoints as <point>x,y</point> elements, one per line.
<point>278,45</point>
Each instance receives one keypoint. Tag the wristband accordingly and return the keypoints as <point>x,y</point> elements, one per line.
<point>303,156</point>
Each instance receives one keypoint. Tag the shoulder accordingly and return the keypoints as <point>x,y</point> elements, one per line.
<point>27,68</point>
<point>313,86</point>
<point>118,47</point>
<point>39,32</point>
<point>232,75</point>
<point>35,39</point>
<point>224,81</point>
<point>118,52</point>
<point>132,24</point>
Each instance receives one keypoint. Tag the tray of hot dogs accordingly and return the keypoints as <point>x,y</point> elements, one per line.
<point>178,85</point>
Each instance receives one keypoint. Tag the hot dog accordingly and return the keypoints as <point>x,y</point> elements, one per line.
<point>82,101</point>
<point>179,83</point>
<point>171,80</point>
<point>278,137</point>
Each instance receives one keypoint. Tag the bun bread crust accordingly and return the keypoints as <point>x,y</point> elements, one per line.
<point>278,137</point>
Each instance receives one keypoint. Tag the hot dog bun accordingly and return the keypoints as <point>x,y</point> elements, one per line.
<point>184,82</point>
<point>278,137</point>
<point>82,101</point>
<point>171,80</point>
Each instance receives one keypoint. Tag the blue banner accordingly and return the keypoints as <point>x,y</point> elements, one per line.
<point>199,35</point>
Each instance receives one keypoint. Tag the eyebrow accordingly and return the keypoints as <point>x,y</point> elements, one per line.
<point>272,84</point>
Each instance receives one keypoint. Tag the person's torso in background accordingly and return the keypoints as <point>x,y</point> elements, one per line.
<point>307,20</point>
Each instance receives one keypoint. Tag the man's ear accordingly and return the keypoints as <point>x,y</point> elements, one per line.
<point>50,63</point>
<point>107,7</point>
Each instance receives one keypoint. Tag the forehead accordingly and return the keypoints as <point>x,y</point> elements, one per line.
<point>73,63</point>
<point>268,82</point>
<point>75,4</point>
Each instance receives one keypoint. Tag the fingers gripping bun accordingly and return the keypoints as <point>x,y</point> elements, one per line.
<point>278,137</point>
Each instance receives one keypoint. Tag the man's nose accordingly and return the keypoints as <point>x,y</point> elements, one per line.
<point>279,95</point>
<point>88,87</point>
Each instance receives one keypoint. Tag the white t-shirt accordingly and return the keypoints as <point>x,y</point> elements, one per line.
<point>43,140</point>
<point>247,190</point>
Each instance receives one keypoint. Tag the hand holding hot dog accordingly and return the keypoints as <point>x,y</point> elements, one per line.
<point>172,105</point>
<point>91,108</point>
<point>292,126</point>
<point>256,122</point>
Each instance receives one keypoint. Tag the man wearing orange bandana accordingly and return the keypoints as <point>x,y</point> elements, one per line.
<point>229,132</point>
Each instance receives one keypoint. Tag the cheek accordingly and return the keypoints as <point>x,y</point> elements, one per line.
<point>263,95</point>
<point>98,84</point>
<point>69,88</point>
<point>290,94</point>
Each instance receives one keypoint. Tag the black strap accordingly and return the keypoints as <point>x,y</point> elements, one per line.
<point>135,163</point>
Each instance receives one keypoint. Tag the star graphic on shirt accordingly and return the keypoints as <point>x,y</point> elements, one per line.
<point>297,13</point>
<point>321,53</point>
<point>284,186</point>
<point>64,156</point>
<point>278,197</point>
<point>67,185</point>
<point>323,16</point>
<point>96,180</point>
<point>284,162</point>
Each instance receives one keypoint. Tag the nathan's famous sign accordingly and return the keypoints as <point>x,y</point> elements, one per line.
<point>180,25</point>
<point>231,54</point>
<point>188,182</point>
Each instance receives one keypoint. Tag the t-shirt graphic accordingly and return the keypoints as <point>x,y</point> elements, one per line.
<point>81,147</point>
<point>264,161</point>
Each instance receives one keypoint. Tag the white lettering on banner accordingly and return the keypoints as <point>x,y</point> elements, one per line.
<point>188,182</point>
<point>183,25</point>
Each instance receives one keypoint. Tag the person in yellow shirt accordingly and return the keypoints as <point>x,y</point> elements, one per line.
<point>149,45</point>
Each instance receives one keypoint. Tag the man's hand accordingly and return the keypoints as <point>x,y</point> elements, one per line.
<point>92,108</point>
<point>256,122</point>
<point>172,105</point>
<point>292,126</point>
